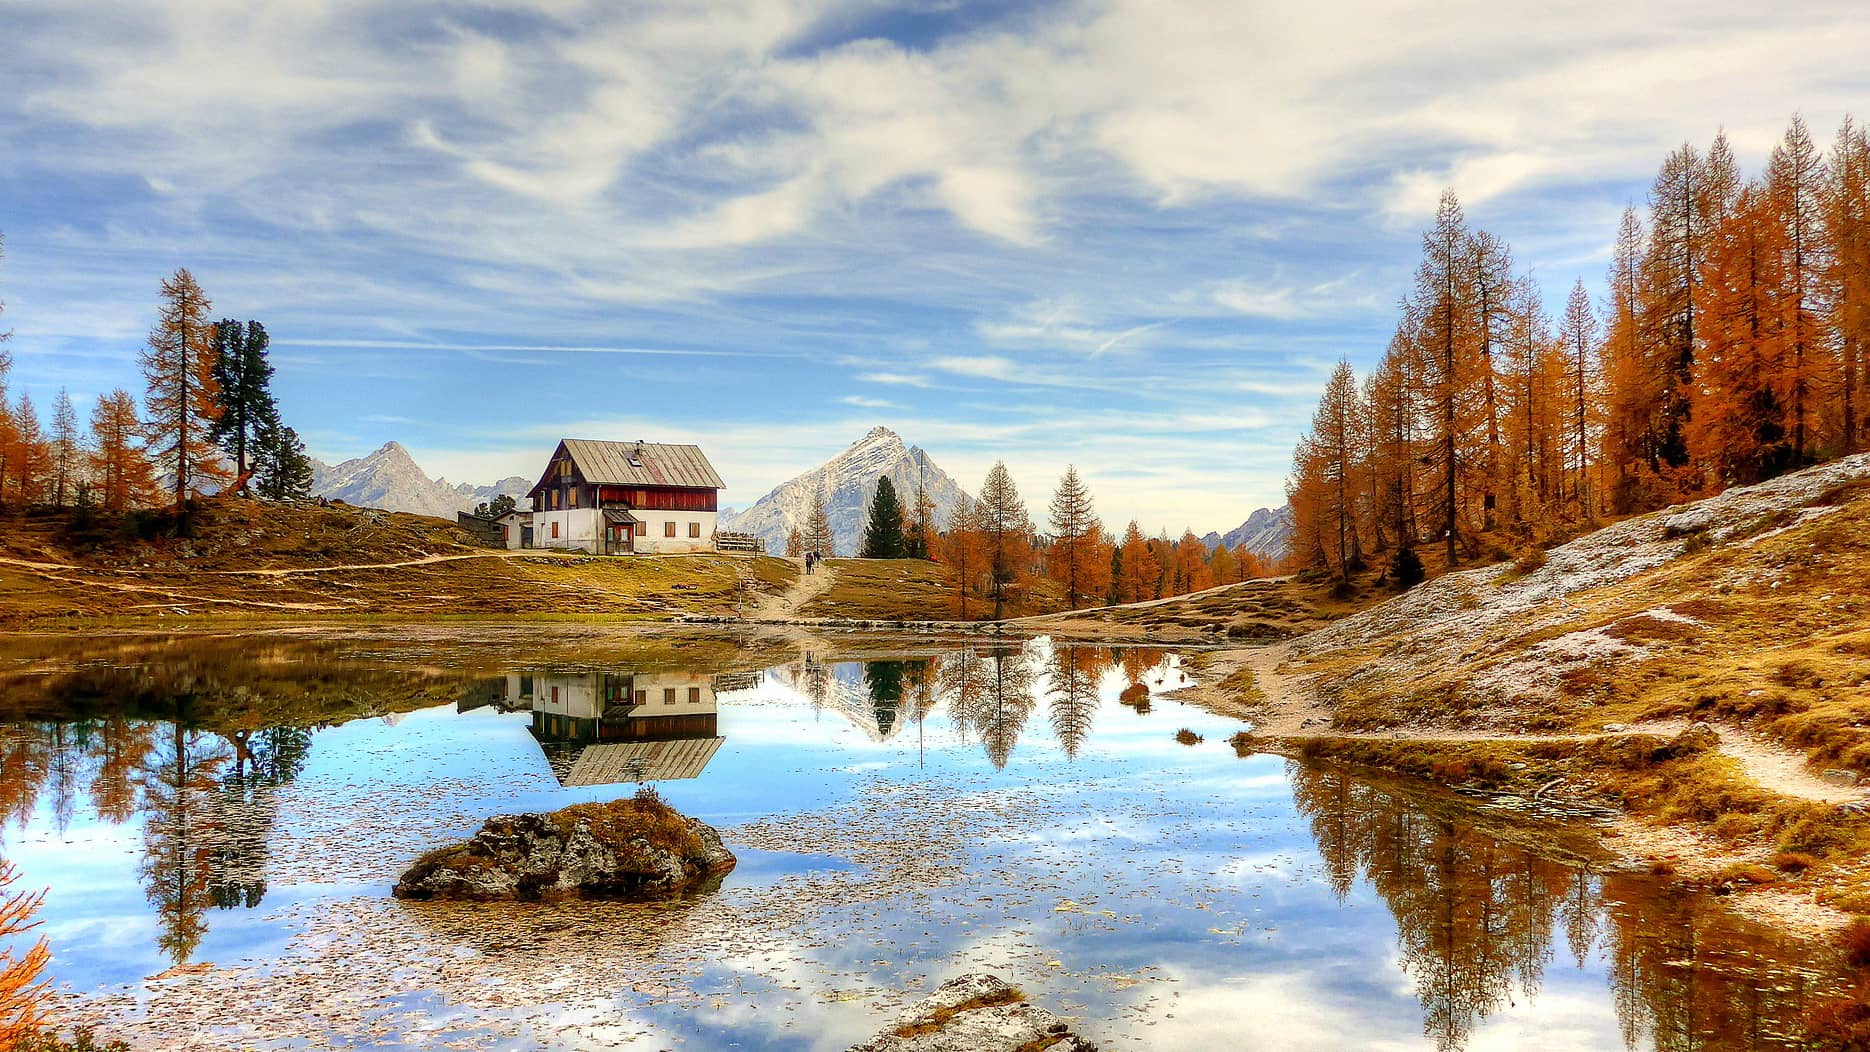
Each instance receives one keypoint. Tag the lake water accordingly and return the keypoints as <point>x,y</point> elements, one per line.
<point>219,820</point>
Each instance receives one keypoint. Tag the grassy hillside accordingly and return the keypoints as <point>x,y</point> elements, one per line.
<point>1582,674</point>
<point>1253,611</point>
<point>245,558</point>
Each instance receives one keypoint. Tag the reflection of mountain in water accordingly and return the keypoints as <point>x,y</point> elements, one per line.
<point>879,698</point>
<point>1477,912</point>
<point>600,728</point>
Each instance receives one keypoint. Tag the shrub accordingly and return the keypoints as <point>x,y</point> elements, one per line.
<point>1406,569</point>
<point>1188,737</point>
<point>1793,861</point>
<point>1134,694</point>
<point>1855,939</point>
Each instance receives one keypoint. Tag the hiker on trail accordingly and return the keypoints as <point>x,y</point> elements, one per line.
<point>808,564</point>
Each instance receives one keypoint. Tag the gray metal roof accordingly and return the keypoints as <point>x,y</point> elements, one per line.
<point>656,464</point>
<point>613,762</point>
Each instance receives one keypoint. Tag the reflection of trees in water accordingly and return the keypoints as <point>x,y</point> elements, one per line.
<point>123,746</point>
<point>180,823</point>
<point>1006,702</point>
<point>248,803</point>
<point>1693,978</point>
<point>900,690</point>
<point>1476,917</point>
<point>883,682</point>
<point>25,764</point>
<point>959,683</point>
<point>1138,662</point>
<point>990,697</point>
<point>208,803</point>
<point>1074,672</point>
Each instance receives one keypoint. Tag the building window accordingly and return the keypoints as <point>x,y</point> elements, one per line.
<point>574,496</point>
<point>694,529</point>
<point>668,695</point>
<point>555,529</point>
<point>668,528</point>
<point>642,697</point>
<point>694,695</point>
<point>555,695</point>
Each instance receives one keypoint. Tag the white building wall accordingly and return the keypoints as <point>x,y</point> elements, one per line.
<point>578,528</point>
<point>654,542</point>
<point>577,695</point>
<point>514,522</point>
<point>653,690</point>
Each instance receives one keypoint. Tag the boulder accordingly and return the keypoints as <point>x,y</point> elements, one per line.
<point>975,1013</point>
<point>632,849</point>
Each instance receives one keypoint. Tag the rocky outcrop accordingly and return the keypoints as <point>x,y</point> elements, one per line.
<point>976,1013</point>
<point>636,849</point>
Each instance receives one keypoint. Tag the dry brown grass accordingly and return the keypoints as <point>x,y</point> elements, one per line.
<point>889,590</point>
<point>129,578</point>
<point>941,1017</point>
<point>642,817</point>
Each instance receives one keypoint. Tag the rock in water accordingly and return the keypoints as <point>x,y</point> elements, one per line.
<point>976,1013</point>
<point>631,849</point>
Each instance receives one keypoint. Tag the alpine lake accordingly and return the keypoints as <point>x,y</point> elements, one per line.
<point>219,818</point>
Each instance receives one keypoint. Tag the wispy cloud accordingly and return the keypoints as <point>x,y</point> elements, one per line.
<point>735,218</point>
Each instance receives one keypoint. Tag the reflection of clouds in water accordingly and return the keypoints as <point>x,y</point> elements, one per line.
<point>1161,893</point>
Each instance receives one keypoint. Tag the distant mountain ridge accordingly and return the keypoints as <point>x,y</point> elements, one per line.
<point>391,479</point>
<point>1267,533</point>
<point>849,481</point>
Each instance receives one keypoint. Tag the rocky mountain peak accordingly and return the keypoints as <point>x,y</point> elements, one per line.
<point>848,481</point>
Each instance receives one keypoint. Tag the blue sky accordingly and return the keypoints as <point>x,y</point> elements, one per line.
<point>1132,234</point>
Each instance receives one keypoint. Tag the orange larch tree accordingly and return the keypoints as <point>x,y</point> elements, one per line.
<point>1795,181</point>
<point>183,399</point>
<point>1847,279</point>
<point>1137,580</point>
<point>1578,335</point>
<point>122,472</point>
<point>1077,558</point>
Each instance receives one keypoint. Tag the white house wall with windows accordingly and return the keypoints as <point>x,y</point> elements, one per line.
<point>619,498</point>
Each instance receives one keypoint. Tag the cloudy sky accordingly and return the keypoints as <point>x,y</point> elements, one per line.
<point>1131,234</point>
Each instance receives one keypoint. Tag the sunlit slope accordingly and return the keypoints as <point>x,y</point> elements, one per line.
<point>1750,606</point>
<point>249,559</point>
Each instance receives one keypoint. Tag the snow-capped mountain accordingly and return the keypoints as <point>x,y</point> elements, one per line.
<point>849,481</point>
<point>391,479</point>
<point>1267,533</point>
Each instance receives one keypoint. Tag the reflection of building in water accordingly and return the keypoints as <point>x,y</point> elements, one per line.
<point>602,727</point>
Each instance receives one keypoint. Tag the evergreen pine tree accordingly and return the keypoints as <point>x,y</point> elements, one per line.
<point>246,396</point>
<point>883,533</point>
<point>281,468</point>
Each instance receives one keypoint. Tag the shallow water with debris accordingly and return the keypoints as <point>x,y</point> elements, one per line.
<point>219,823</point>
